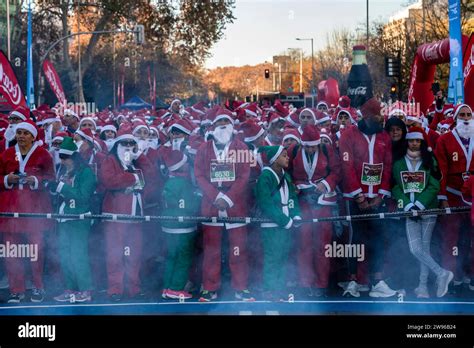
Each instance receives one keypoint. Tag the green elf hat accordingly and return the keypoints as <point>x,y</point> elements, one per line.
<point>270,153</point>
<point>67,147</point>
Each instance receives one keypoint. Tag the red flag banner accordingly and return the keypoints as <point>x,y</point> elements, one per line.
<point>9,87</point>
<point>54,81</point>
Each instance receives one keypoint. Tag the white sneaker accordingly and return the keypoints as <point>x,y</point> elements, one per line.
<point>381,289</point>
<point>352,289</point>
<point>443,281</point>
<point>360,287</point>
<point>422,292</point>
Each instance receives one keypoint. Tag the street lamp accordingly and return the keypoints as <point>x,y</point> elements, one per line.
<point>312,63</point>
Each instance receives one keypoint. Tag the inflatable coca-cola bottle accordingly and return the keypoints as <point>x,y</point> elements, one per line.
<point>359,81</point>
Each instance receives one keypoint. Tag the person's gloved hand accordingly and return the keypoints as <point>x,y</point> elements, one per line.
<point>297,221</point>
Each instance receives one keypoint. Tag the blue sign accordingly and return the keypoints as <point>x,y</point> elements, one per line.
<point>456,83</point>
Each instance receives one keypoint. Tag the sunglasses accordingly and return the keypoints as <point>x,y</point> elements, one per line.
<point>127,143</point>
<point>465,114</point>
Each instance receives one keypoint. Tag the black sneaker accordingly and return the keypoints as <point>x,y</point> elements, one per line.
<point>208,296</point>
<point>16,297</point>
<point>244,295</point>
<point>115,298</point>
<point>37,295</point>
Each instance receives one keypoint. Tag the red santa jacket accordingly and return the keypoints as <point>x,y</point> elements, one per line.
<point>325,168</point>
<point>26,198</point>
<point>117,183</point>
<point>366,163</point>
<point>234,192</point>
<point>454,160</point>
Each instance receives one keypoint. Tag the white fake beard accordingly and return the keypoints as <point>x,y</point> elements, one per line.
<point>125,154</point>
<point>10,132</point>
<point>223,134</point>
<point>153,143</point>
<point>465,128</point>
<point>55,154</point>
<point>142,145</point>
<point>177,143</point>
<point>109,143</point>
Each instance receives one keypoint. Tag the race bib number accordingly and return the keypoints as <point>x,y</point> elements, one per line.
<point>466,175</point>
<point>413,181</point>
<point>371,174</point>
<point>222,171</point>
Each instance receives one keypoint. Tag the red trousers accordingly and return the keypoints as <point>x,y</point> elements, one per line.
<point>238,263</point>
<point>313,265</point>
<point>453,228</point>
<point>124,250</point>
<point>15,266</point>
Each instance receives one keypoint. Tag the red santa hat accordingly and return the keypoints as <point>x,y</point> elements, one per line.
<point>322,103</point>
<point>181,125</point>
<point>446,124</point>
<point>175,159</point>
<point>71,113</point>
<point>60,136</point>
<point>109,126</point>
<point>293,118</point>
<point>223,114</point>
<point>50,117</point>
<point>291,133</point>
<point>348,111</point>
<point>280,109</point>
<point>416,133</point>
<point>321,117</point>
<point>87,119</point>
<point>344,101</point>
<point>124,133</point>
<point>86,134</point>
<point>371,107</point>
<point>325,134</point>
<point>138,124</point>
<point>29,126</point>
<point>20,113</point>
<point>448,109</point>
<point>275,117</point>
<point>252,131</point>
<point>310,136</point>
<point>457,108</point>
<point>312,111</point>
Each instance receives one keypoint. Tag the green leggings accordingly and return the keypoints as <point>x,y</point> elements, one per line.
<point>276,247</point>
<point>180,247</point>
<point>74,254</point>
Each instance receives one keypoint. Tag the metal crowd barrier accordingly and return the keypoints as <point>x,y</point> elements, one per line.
<point>214,219</point>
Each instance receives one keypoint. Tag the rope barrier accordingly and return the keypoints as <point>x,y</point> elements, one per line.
<point>214,219</point>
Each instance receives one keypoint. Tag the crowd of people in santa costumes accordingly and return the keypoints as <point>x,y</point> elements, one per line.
<point>285,164</point>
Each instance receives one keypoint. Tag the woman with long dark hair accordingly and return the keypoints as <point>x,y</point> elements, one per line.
<point>416,188</point>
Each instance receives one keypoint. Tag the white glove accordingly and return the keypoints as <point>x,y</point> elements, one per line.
<point>297,221</point>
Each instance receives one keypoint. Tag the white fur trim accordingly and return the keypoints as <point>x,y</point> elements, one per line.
<point>396,111</point>
<point>225,198</point>
<point>5,182</point>
<point>289,224</point>
<point>414,135</point>
<point>278,153</point>
<point>108,127</point>
<point>87,119</point>
<point>28,127</point>
<point>311,143</point>
<point>292,136</point>
<point>222,116</point>
<point>60,187</point>
<point>408,206</point>
<point>310,111</point>
<point>180,127</point>
<point>255,137</point>
<point>66,152</point>
<point>178,165</point>
<point>85,136</point>
<point>18,114</point>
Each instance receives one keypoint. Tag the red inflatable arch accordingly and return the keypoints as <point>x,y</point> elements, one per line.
<point>424,67</point>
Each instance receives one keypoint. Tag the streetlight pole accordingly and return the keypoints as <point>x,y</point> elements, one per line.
<point>8,30</point>
<point>367,24</point>
<point>312,64</point>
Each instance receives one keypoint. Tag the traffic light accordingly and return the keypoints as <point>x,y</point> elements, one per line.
<point>392,67</point>
<point>393,91</point>
<point>139,32</point>
<point>267,73</point>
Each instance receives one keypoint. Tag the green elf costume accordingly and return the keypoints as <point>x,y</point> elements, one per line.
<point>75,188</point>
<point>179,199</point>
<point>277,200</point>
